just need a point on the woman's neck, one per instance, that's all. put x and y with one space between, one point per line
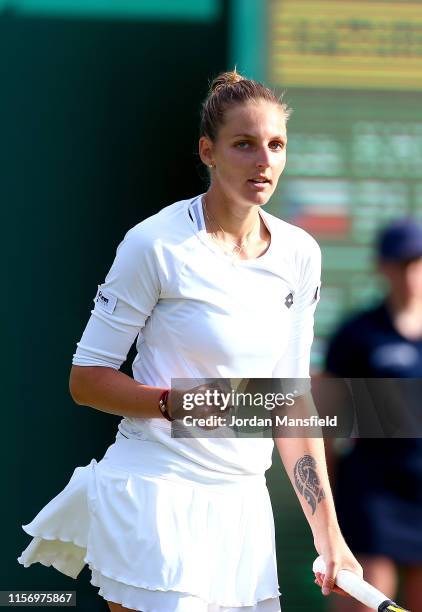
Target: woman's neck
406 313
236 221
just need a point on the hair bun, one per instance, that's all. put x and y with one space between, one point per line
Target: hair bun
230 89
225 79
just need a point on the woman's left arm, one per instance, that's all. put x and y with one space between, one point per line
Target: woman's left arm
304 461
304 458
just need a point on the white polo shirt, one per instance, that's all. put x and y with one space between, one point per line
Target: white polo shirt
197 312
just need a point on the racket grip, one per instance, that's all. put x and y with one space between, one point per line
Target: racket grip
354 585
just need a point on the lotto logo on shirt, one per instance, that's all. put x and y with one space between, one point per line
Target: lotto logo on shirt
289 300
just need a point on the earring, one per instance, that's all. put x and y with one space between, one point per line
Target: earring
211 165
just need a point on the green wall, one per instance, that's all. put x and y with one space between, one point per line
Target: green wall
98 130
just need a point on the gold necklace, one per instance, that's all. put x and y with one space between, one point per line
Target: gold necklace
236 249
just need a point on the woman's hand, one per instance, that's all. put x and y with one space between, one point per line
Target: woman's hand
337 555
201 402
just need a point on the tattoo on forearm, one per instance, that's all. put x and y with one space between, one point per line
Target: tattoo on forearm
307 481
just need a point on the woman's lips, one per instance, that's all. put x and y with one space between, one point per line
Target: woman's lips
258 185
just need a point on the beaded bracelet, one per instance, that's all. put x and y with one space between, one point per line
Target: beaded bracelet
162 404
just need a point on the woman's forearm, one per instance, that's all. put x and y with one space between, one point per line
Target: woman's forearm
112 391
304 461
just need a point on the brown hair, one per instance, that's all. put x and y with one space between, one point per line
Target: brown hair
227 90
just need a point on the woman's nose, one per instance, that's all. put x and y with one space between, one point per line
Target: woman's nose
263 158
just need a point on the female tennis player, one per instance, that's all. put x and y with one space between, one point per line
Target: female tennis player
211 287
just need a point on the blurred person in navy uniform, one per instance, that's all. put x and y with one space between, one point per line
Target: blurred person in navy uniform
378 482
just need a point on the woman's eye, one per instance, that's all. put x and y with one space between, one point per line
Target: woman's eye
276 145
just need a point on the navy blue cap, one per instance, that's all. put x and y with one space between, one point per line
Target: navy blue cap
400 241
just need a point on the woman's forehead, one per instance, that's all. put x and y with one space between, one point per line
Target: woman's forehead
254 117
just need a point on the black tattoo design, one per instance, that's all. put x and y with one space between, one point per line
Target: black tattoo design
307 481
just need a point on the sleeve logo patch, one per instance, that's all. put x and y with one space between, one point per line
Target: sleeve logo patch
105 300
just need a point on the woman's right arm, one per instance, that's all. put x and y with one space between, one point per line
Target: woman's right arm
121 308
112 391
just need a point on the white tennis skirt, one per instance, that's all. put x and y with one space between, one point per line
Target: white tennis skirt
161 533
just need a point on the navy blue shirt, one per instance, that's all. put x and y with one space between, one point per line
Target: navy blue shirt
368 345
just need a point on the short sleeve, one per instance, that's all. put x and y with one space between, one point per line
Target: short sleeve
122 304
296 360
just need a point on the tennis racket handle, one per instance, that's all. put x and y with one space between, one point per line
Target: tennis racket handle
354 585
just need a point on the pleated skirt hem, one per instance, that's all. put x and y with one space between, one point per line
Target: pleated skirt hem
148 599
158 545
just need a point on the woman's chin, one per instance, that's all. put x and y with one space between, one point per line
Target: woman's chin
260 198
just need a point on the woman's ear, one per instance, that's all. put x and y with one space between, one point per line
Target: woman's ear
205 150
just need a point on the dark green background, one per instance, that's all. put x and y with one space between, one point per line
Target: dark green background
98 130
